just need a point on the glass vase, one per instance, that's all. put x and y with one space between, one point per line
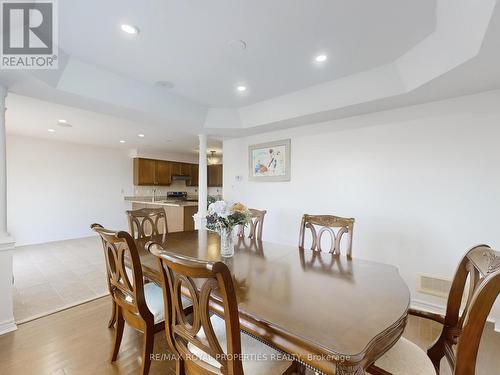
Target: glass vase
226 242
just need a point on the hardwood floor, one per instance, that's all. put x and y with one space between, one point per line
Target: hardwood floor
77 342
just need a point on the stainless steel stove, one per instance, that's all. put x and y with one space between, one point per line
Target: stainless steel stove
176 195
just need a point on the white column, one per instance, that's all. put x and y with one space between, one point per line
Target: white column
3 166
7 323
202 182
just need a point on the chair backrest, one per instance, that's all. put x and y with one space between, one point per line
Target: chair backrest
255 226
327 223
204 281
147 222
464 326
124 273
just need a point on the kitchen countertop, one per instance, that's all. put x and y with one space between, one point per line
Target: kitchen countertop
161 202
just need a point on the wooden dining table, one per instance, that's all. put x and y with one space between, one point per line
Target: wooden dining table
335 314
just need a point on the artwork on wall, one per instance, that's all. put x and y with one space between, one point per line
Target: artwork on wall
269 161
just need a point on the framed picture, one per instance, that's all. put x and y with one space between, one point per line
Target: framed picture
269 161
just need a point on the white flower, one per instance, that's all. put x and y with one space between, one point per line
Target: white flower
220 208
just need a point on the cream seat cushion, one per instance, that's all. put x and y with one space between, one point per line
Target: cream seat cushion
153 294
406 358
258 358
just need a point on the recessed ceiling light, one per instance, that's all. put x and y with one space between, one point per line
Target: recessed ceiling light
241 88
64 124
140 135
321 58
238 44
165 84
130 29
50 130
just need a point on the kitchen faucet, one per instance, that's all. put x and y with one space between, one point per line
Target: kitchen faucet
154 195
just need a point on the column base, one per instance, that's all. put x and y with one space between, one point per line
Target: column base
7 242
200 222
7 323
8 327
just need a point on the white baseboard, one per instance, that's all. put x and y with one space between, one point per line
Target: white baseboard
428 306
79 237
7 327
62 308
441 309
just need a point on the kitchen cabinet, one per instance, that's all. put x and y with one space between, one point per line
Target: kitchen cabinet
194 175
185 169
163 172
189 211
179 218
152 172
214 175
144 171
176 168
180 169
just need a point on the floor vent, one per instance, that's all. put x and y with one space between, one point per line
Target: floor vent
434 285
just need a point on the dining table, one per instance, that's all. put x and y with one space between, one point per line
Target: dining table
331 313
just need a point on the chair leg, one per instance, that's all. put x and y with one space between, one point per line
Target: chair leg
120 323
149 339
112 319
301 369
179 367
436 352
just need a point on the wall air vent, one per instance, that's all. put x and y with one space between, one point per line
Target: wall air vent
434 285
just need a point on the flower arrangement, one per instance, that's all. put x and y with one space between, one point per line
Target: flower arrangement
225 216
222 218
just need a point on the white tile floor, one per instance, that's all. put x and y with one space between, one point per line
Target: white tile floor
53 276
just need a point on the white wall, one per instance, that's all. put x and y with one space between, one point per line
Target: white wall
57 189
422 182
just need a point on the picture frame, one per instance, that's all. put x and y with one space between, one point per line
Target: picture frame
269 162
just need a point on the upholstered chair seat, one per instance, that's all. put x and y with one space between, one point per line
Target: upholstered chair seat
258 358
153 294
406 358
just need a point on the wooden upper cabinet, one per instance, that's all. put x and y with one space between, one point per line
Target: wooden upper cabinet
176 168
194 175
150 172
144 171
185 169
180 169
163 172
215 175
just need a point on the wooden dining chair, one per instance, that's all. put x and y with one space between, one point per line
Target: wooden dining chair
255 226
147 222
210 344
463 323
327 223
138 304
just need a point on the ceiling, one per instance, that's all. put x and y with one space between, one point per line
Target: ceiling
189 42
89 127
381 55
